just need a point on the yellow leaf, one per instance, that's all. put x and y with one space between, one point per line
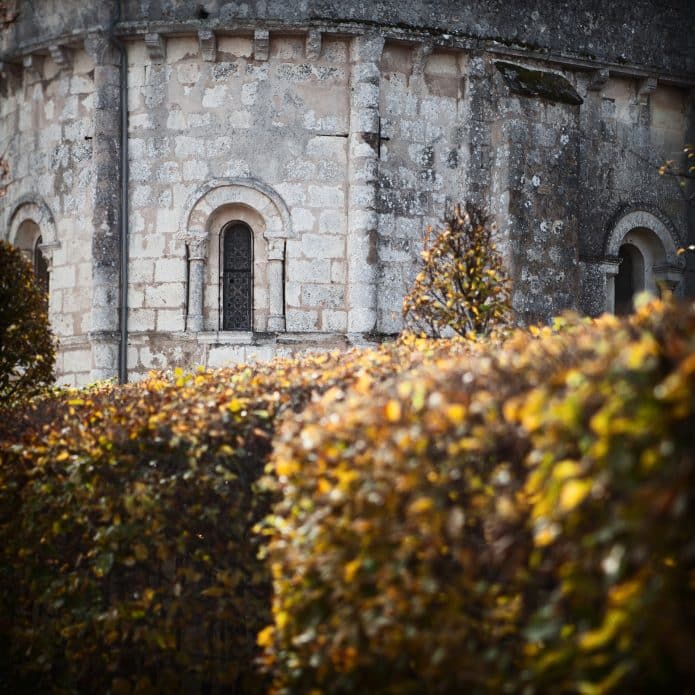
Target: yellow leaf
62 456
594 639
565 469
265 636
456 413
393 411
573 493
350 569
286 467
421 505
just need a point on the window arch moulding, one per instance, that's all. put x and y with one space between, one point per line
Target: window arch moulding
656 240
208 210
32 209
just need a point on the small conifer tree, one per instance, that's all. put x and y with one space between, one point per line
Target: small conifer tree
27 351
463 284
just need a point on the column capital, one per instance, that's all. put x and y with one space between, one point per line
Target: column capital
276 249
197 248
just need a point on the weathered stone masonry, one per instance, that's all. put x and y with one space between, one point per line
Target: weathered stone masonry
335 132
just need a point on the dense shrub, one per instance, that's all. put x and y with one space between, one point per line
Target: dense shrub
127 560
512 520
463 285
27 352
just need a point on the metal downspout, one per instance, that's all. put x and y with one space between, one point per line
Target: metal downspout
124 231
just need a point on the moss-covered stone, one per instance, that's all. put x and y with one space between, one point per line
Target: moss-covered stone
537 83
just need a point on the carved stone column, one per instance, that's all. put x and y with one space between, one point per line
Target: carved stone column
276 262
197 255
106 215
362 251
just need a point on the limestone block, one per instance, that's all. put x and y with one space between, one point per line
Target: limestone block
170 320
141 319
224 355
315 295
63 277
170 270
104 355
77 360
164 295
169 172
260 353
136 296
199 120
140 171
332 222
195 170
142 196
301 321
361 319
326 196
293 293
188 73
292 193
176 120
326 147
214 97
309 271
338 271
249 92
141 270
302 220
150 359
323 246
299 170
334 321
186 146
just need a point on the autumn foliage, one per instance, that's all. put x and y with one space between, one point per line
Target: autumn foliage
436 516
27 351
509 520
463 285
127 558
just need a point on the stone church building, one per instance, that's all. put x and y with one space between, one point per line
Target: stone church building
206 181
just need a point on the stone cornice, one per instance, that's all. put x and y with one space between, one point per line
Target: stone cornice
138 30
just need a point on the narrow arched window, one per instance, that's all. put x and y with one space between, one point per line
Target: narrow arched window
237 277
630 278
41 267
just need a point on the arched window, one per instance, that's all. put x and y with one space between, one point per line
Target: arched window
41 267
630 279
236 262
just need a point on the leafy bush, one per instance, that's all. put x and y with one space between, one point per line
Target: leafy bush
512 520
463 285
127 560
27 352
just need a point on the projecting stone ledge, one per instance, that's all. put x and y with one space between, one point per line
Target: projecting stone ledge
536 83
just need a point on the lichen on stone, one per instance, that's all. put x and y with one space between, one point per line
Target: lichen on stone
537 83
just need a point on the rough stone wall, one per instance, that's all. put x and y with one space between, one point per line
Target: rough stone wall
424 116
656 33
281 118
363 122
535 172
46 132
625 136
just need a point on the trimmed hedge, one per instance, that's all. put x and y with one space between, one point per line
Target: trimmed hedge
512 520
127 560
